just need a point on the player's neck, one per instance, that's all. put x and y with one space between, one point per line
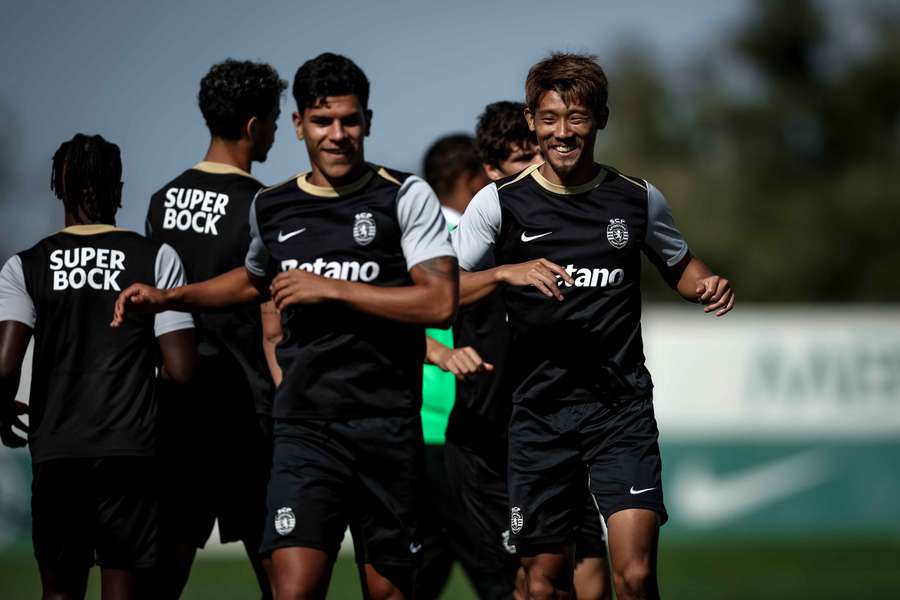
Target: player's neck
228 152
80 219
319 178
582 173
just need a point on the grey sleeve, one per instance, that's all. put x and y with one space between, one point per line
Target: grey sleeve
15 302
474 237
424 232
170 274
257 254
663 239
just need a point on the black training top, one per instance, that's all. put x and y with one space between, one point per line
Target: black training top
91 385
339 362
587 347
203 213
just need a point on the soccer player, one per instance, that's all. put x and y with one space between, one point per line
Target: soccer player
92 413
507 146
219 438
566 238
359 262
452 168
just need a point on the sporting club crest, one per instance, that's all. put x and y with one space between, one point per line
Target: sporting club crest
285 521
516 520
364 228
617 233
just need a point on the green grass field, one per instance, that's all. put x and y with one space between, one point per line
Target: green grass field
695 570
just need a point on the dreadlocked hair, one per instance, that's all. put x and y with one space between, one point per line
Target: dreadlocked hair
87 175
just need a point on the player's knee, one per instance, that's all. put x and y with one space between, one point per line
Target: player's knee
538 586
634 579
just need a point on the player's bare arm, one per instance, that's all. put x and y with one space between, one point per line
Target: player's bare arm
696 283
14 337
272 336
462 362
235 287
540 273
430 301
179 355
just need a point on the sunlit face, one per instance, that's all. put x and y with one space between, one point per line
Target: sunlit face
263 135
521 156
565 133
334 130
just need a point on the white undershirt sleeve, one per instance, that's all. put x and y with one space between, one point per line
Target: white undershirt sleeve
257 259
474 237
424 232
663 239
15 302
170 274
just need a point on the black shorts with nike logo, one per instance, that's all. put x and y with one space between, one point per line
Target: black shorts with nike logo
365 473
549 450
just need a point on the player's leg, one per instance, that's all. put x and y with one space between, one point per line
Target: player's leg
477 482
387 502
626 480
127 523
592 579
545 475
633 541
262 567
301 573
437 527
306 512
62 527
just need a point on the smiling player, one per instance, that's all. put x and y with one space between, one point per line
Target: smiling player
567 237
358 259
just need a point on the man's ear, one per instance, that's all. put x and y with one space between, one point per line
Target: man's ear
250 128
529 118
297 119
368 114
493 172
603 118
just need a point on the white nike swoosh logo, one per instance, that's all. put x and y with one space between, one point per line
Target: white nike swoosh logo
528 238
414 548
704 498
286 236
635 492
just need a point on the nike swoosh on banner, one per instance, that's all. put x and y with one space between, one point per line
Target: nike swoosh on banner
286 236
528 238
635 492
703 498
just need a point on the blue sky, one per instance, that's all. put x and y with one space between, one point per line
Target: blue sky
129 70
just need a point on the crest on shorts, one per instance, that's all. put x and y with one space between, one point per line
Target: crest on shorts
285 521
364 228
516 520
504 539
617 233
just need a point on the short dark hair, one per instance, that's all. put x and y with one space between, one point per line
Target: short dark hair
326 75
501 127
572 76
86 174
449 158
233 91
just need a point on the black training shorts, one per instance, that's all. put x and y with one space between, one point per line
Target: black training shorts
103 510
549 450
365 473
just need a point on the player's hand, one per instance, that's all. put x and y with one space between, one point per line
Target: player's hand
9 437
716 293
540 273
462 362
300 287
138 297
